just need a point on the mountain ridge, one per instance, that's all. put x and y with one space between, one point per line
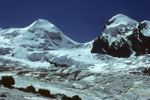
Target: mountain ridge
122 37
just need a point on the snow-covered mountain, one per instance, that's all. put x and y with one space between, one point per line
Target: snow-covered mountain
123 37
42 56
41 35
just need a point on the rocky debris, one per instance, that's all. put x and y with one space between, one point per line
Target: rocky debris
3 68
3 95
22 72
147 71
7 81
42 92
103 85
4 51
56 64
141 71
14 94
23 89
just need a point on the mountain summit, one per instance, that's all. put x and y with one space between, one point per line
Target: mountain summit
40 35
123 37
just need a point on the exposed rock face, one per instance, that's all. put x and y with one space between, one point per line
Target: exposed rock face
123 37
141 38
7 81
44 92
76 97
101 46
31 89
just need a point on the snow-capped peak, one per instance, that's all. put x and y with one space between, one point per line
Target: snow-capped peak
121 19
121 16
42 23
40 35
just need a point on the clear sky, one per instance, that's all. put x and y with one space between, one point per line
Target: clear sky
81 20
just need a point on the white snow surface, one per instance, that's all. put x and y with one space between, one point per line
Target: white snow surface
146 30
121 19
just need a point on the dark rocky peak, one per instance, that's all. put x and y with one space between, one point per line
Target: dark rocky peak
123 37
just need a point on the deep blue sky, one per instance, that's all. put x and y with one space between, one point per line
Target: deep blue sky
81 20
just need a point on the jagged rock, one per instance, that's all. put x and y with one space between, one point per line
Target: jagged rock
147 71
56 64
64 97
76 97
7 81
101 46
31 89
46 93
23 89
22 72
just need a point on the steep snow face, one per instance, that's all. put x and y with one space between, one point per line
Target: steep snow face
39 35
123 37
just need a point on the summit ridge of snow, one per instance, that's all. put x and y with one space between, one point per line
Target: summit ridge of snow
120 19
42 23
